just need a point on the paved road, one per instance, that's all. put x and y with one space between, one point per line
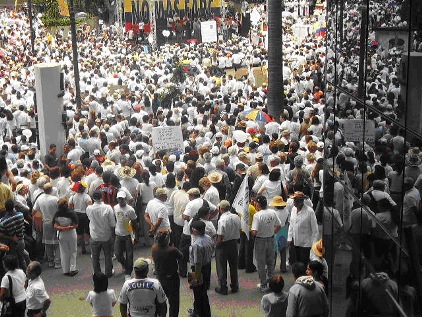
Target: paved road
66 291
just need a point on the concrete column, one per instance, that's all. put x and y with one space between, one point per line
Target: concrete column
49 106
410 76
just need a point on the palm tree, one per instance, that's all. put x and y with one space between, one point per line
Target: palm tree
275 59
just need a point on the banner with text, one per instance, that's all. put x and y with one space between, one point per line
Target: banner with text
209 31
168 138
354 130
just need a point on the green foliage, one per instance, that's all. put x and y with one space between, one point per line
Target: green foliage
179 75
168 95
51 8
48 22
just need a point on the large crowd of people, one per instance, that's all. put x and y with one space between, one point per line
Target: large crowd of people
109 188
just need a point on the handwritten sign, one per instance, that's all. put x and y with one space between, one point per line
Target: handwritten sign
355 129
209 31
167 138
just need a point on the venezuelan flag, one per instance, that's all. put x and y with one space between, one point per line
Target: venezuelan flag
320 29
127 6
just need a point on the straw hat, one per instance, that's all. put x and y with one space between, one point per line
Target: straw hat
126 172
318 248
278 201
413 160
215 177
285 132
107 163
19 187
193 191
161 191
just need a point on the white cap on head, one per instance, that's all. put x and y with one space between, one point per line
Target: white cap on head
121 194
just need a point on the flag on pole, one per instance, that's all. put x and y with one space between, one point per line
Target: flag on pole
63 7
280 239
241 205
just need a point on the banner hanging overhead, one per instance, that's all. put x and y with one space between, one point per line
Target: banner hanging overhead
138 10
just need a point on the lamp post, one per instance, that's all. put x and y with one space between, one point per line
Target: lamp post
75 55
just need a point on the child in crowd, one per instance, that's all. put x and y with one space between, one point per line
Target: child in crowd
275 303
101 298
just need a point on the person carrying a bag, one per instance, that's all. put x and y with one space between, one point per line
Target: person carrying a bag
12 291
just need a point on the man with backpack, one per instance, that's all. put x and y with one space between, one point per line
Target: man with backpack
387 213
108 191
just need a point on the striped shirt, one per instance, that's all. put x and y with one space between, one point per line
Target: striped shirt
13 224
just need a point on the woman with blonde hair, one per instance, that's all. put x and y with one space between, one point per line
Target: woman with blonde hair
33 186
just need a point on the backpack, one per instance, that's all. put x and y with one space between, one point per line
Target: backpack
109 194
300 178
378 206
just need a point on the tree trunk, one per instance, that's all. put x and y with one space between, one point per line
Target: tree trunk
275 59
111 9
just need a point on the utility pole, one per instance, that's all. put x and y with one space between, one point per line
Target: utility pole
75 60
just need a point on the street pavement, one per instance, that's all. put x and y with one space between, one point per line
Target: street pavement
66 292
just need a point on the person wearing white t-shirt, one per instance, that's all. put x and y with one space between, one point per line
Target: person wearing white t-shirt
101 298
264 224
123 244
37 299
156 213
18 278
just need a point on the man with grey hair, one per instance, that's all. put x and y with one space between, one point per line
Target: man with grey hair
208 165
220 168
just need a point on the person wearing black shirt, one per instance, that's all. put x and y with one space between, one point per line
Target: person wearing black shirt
50 158
166 264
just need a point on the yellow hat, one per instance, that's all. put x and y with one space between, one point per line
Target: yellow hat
318 248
